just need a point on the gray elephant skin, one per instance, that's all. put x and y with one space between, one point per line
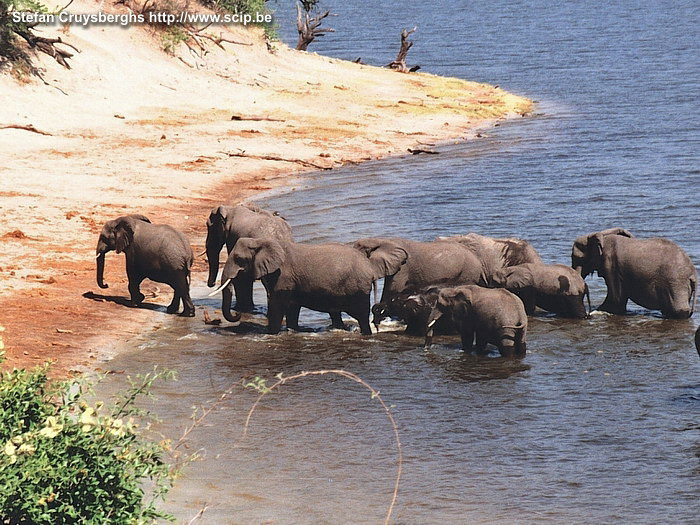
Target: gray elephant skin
555 288
496 254
448 261
227 224
153 251
654 273
329 278
414 308
467 259
493 315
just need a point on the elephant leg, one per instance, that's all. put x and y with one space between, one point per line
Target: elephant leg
529 302
183 291
174 304
276 309
360 312
508 350
675 303
337 321
467 339
243 285
292 316
520 344
135 280
615 301
481 343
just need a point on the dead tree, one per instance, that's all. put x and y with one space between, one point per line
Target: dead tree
308 26
399 63
10 29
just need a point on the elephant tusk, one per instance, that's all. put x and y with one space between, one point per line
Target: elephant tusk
98 255
432 323
202 254
224 285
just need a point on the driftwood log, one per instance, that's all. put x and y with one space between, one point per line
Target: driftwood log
25 127
276 158
309 26
399 63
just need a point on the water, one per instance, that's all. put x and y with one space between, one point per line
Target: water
600 422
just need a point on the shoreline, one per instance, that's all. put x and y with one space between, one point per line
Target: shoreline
165 155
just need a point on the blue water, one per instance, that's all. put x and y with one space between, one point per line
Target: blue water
600 423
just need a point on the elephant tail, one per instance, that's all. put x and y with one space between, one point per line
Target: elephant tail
520 327
693 289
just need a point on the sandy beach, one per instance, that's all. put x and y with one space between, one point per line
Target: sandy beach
132 129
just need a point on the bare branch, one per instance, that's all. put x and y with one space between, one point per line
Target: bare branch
27 127
399 63
308 26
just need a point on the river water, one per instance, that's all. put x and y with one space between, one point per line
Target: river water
600 423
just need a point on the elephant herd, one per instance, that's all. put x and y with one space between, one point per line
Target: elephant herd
479 287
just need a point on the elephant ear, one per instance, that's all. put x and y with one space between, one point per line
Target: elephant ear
518 278
268 258
140 217
388 259
449 296
368 245
500 278
616 231
596 244
386 256
124 235
217 217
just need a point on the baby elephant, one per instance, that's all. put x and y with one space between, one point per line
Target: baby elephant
553 287
414 308
494 315
155 251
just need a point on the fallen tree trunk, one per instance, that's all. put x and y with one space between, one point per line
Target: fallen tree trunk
277 158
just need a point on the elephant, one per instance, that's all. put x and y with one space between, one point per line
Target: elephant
494 315
654 273
697 340
227 224
331 278
429 263
414 308
496 254
155 251
553 287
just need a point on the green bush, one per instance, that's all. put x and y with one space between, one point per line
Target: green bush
64 461
10 30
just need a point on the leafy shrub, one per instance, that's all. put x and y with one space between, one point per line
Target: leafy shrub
11 30
63 461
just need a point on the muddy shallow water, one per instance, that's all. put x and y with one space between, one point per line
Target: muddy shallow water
600 423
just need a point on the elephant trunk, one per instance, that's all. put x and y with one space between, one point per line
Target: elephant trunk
226 299
213 259
101 270
588 298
